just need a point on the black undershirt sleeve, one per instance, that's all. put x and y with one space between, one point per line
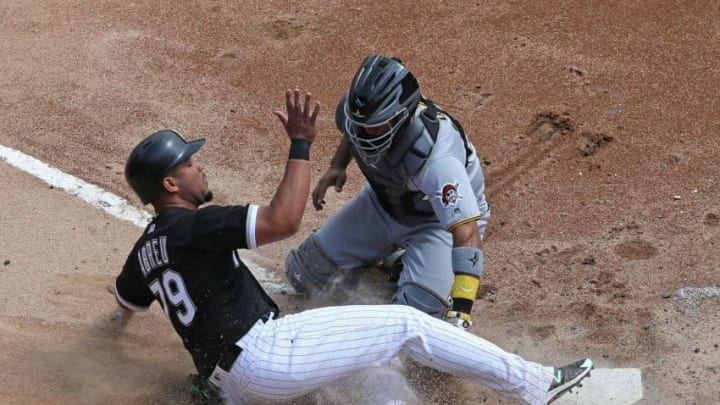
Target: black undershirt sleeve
131 289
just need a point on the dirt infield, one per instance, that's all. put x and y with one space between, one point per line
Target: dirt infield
597 122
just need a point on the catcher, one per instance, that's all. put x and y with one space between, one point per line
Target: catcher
186 260
425 193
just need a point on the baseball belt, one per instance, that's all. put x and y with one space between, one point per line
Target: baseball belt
228 357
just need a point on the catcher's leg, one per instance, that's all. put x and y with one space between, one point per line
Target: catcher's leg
427 276
355 237
309 269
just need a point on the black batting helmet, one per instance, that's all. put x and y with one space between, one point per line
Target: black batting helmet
153 158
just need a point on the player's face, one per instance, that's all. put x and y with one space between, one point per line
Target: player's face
372 132
192 181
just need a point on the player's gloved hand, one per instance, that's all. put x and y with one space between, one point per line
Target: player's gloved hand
459 319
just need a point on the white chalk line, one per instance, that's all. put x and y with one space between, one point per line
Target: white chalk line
110 203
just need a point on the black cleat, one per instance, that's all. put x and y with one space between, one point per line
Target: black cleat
567 377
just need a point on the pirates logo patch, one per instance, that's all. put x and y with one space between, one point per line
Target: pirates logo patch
449 195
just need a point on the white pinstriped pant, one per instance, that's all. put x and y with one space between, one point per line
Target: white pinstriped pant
291 356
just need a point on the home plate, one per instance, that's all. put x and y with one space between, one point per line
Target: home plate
606 386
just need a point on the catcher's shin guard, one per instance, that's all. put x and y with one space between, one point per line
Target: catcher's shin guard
308 268
420 297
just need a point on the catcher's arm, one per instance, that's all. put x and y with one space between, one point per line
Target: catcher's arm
467 262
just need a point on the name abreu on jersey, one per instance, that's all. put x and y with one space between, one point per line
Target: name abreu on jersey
153 254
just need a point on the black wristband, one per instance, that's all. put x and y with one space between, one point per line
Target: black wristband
299 149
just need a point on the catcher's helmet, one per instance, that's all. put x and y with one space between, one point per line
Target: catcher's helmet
153 158
383 93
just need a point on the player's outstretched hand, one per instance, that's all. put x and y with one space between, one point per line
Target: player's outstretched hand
334 176
299 120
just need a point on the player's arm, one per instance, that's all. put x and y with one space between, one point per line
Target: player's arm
282 217
335 174
131 295
453 199
131 292
466 234
121 316
467 265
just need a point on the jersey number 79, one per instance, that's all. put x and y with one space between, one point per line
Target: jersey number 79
170 286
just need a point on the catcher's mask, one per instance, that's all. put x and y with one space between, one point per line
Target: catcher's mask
153 158
383 95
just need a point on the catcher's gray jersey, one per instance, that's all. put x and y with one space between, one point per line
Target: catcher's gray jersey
431 173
